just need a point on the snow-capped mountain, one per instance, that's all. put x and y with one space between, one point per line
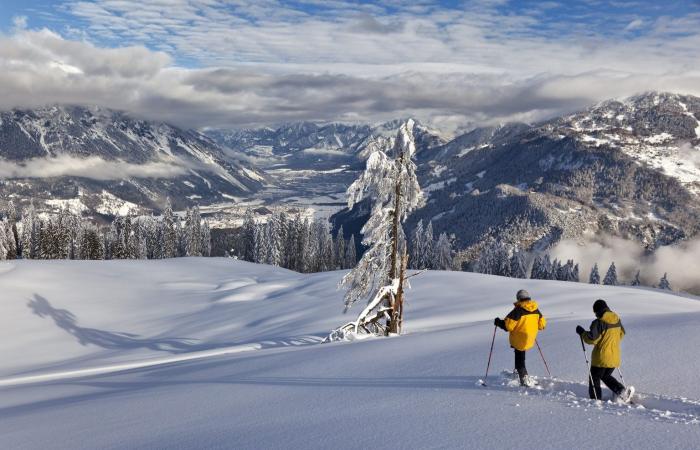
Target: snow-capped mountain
628 168
625 167
106 162
307 145
313 164
659 129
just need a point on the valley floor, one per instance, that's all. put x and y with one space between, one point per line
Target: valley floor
216 353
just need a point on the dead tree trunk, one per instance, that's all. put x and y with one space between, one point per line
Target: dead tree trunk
392 323
398 311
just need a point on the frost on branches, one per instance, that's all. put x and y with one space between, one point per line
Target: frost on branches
390 182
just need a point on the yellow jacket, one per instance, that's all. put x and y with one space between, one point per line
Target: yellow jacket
523 323
605 334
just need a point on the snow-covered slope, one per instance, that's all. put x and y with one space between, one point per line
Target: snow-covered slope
661 130
215 353
82 154
627 168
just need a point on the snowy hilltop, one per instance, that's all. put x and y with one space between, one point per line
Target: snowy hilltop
217 353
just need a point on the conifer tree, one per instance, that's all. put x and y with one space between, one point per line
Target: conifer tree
575 274
428 247
30 233
611 276
350 253
417 247
536 270
547 272
248 252
340 249
443 253
3 241
664 284
390 181
517 265
10 242
169 232
636 281
205 239
594 278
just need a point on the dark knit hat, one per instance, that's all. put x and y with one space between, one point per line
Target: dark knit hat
522 295
599 307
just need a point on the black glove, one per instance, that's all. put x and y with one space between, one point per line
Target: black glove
500 323
580 330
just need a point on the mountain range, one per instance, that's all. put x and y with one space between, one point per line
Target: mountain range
628 168
104 162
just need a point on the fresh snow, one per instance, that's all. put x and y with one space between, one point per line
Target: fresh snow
74 205
112 205
218 353
439 185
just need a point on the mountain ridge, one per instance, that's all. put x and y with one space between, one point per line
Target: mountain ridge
73 152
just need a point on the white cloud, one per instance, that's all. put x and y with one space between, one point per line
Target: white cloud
19 22
92 167
634 25
263 62
680 260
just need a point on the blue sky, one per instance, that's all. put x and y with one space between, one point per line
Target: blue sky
253 62
618 19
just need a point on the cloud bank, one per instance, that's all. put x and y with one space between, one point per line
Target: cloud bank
680 261
91 167
215 63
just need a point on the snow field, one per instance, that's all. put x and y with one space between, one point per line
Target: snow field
215 353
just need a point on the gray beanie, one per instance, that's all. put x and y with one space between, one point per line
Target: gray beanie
522 295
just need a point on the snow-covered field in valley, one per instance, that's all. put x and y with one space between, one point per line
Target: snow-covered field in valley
216 353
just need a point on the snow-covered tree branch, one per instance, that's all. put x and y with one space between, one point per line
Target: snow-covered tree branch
391 184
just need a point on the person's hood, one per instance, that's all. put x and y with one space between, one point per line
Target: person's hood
610 317
528 305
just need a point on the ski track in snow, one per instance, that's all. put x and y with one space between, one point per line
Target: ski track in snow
678 410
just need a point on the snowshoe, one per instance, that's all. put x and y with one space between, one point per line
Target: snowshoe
528 381
626 395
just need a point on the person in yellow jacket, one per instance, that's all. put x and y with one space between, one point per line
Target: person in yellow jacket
605 335
523 324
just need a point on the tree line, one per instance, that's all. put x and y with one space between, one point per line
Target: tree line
67 235
294 242
426 252
500 259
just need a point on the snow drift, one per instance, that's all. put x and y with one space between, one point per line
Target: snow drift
202 353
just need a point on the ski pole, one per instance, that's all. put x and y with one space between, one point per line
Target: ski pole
543 360
488 364
590 375
621 377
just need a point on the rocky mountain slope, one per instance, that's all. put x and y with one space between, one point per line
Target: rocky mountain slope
104 162
312 165
626 168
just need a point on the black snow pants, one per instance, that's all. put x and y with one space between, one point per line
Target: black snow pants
520 363
604 374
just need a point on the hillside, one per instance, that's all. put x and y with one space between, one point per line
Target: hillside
102 162
624 168
196 353
627 168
